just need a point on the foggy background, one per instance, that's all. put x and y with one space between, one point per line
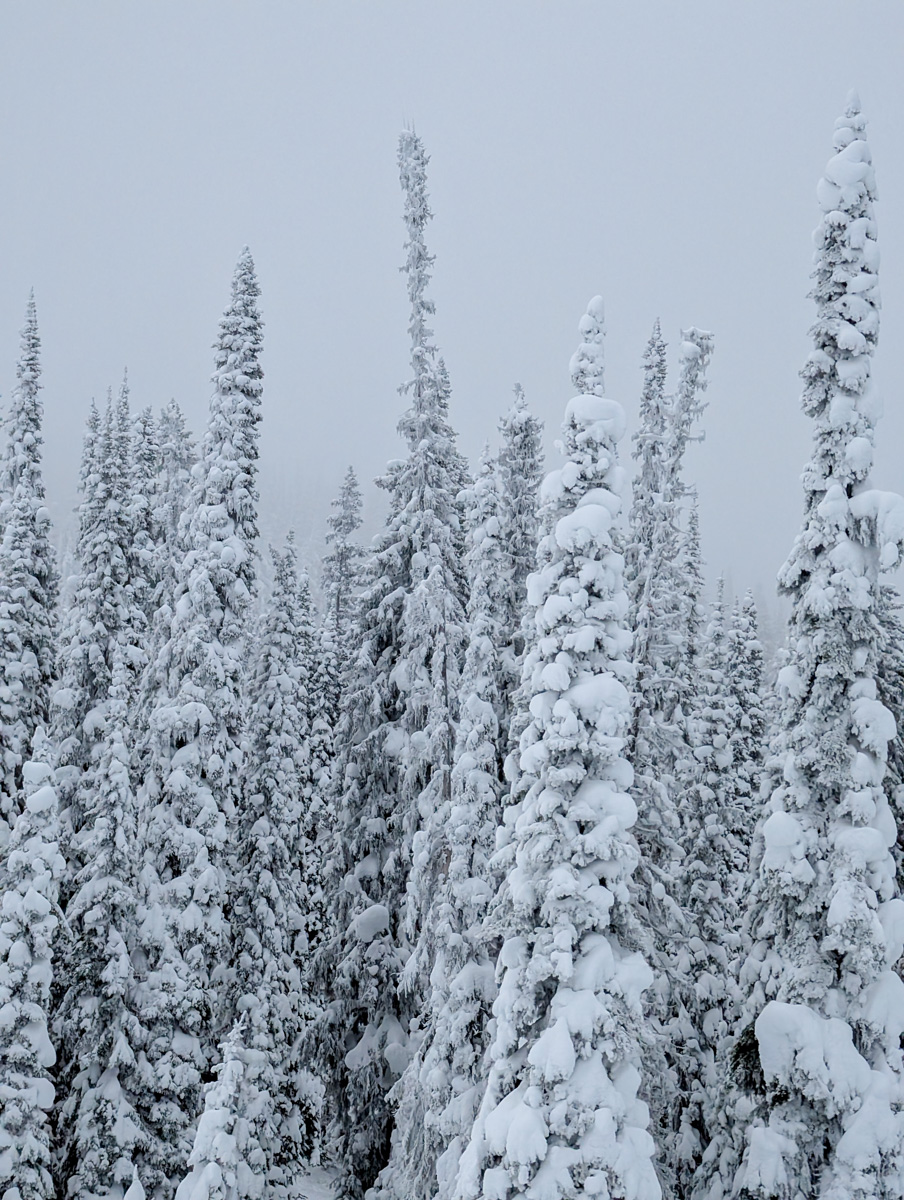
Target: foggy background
664 155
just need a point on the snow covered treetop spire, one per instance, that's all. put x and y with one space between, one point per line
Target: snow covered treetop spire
588 361
22 455
228 467
413 159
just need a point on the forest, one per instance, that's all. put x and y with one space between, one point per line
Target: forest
486 861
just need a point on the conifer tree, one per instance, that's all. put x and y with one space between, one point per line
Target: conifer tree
28 578
29 884
814 1096
561 1114
396 738
102 1127
520 471
274 875
438 1095
106 617
342 566
195 751
146 470
665 584
225 1162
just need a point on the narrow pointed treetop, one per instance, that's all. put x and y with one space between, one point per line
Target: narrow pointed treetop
588 361
22 453
818 1062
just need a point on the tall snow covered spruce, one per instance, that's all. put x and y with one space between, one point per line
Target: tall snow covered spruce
29 884
28 578
395 742
815 1101
438 1094
561 1114
274 879
195 753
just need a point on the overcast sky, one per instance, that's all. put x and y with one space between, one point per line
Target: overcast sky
662 154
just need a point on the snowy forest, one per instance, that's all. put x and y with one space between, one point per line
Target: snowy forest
486 861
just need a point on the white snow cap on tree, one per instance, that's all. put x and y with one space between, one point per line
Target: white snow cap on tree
588 361
561 1115
819 1061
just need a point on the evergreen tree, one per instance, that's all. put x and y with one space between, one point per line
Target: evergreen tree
146 469
587 364
342 566
520 471
665 584
438 1095
195 751
225 1162
272 907
561 1114
28 578
814 1098
29 879
395 744
102 1127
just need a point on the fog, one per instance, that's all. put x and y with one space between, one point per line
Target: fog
663 155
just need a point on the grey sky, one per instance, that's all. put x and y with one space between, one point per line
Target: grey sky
665 155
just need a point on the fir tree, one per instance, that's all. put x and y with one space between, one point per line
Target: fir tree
438 1095
273 873
102 1127
342 566
520 471
30 873
395 744
225 1162
195 751
28 578
814 1098
561 1114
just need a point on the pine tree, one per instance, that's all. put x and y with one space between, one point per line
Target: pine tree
342 566
225 1162
520 471
102 1127
561 1114
146 470
814 1096
195 754
272 907
395 744
28 578
30 873
438 1095
587 364
106 617
665 582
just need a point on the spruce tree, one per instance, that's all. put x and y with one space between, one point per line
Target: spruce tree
274 875
225 1162
438 1095
195 751
28 578
29 883
561 1114
814 1096
102 1126
520 471
396 736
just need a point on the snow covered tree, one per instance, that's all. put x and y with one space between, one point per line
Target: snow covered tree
438 1095
520 471
664 584
225 1162
814 1101
561 1114
146 469
745 666
274 878
28 578
395 743
29 881
106 617
342 565
101 1128
195 752
588 362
